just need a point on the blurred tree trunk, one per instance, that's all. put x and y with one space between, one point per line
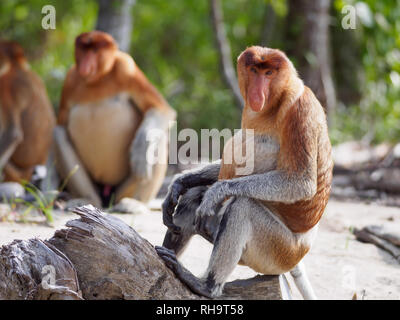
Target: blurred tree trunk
268 26
115 18
309 43
224 51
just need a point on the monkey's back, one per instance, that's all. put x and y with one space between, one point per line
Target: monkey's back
37 120
302 215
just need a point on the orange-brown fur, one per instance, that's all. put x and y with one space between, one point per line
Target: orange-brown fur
101 132
24 104
124 75
297 127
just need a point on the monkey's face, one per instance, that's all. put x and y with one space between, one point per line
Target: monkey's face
10 52
259 69
94 55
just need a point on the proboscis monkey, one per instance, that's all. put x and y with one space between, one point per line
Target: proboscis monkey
267 219
26 115
107 109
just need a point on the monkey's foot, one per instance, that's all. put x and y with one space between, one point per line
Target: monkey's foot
195 284
169 258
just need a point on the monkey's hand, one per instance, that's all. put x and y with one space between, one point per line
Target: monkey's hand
212 200
175 190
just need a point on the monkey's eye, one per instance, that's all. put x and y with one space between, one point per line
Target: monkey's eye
268 73
253 70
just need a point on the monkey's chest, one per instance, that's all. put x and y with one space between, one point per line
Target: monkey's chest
247 154
101 133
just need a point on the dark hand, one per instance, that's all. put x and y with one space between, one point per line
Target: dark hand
176 189
211 202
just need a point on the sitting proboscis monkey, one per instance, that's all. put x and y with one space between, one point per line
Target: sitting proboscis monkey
266 219
108 107
26 116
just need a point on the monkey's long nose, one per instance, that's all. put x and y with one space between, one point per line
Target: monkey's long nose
87 65
85 69
256 92
256 99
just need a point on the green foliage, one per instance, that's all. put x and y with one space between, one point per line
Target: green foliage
174 45
42 203
49 51
377 113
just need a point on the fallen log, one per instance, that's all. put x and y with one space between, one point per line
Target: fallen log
100 257
25 267
377 236
385 179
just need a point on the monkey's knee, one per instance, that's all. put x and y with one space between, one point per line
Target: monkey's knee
184 217
141 189
13 173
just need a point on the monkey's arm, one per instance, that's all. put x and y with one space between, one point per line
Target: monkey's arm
294 179
142 91
276 186
67 90
156 110
152 132
11 136
199 177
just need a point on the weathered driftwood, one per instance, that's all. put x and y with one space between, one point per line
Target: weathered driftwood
367 172
379 237
110 261
385 179
24 267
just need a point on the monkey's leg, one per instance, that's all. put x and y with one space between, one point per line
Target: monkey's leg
233 235
67 160
143 189
204 176
9 141
148 158
13 173
302 283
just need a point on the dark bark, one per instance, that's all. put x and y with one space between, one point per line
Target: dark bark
378 236
23 268
224 51
268 27
100 257
115 18
309 43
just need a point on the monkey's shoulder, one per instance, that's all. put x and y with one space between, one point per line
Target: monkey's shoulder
105 90
247 153
26 87
310 108
124 64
